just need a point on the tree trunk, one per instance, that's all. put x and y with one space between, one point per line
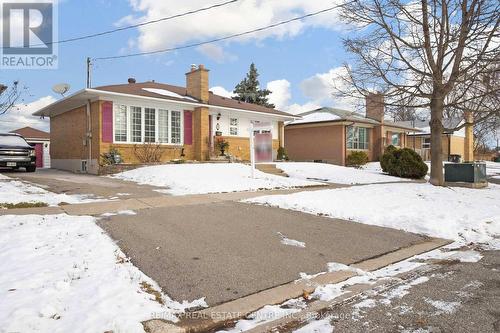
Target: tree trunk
437 177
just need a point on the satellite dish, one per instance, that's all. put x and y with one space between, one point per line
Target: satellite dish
61 88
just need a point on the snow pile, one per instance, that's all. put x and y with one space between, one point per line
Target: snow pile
493 169
460 214
334 173
183 179
291 242
266 314
317 326
443 307
15 191
62 273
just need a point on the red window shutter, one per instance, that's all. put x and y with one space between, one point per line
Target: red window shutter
107 122
188 127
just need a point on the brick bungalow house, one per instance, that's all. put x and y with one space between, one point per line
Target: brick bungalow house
183 121
329 134
453 142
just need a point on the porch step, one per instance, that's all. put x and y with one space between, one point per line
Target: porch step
271 169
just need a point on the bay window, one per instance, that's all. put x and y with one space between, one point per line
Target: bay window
138 124
357 138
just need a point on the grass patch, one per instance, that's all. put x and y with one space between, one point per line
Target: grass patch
146 287
4 205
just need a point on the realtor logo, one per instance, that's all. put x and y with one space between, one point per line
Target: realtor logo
28 33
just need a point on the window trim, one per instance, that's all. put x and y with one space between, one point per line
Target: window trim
143 106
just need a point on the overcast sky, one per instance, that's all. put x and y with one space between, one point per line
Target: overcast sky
297 61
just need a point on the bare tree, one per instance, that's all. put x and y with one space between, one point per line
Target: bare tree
9 96
426 54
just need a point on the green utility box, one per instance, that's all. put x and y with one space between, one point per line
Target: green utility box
465 172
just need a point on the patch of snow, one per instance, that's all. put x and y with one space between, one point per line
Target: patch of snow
402 290
168 93
60 270
460 214
15 191
443 307
316 117
120 212
365 304
334 173
3 177
184 179
123 194
466 256
316 326
291 242
336 267
266 314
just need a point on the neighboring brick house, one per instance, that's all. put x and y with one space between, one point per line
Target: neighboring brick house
329 135
184 121
41 141
453 142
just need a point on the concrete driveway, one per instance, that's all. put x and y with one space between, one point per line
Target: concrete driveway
226 250
214 246
70 183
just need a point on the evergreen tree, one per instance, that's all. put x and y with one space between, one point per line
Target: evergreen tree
248 90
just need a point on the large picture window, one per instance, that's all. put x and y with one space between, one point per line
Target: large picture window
120 120
139 124
357 138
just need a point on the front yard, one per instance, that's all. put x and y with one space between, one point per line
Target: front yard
58 270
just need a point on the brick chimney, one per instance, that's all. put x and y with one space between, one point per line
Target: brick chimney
197 83
375 107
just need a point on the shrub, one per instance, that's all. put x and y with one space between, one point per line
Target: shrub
387 157
148 152
357 158
282 155
404 163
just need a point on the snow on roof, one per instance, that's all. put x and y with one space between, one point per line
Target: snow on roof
168 93
317 117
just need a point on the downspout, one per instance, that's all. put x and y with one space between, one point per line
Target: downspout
449 146
89 135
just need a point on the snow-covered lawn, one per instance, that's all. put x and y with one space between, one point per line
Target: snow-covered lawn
461 214
493 169
61 273
14 191
183 179
337 174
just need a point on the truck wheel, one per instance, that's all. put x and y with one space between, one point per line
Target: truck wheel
31 168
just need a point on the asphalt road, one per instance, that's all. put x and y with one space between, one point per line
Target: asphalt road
226 250
457 297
